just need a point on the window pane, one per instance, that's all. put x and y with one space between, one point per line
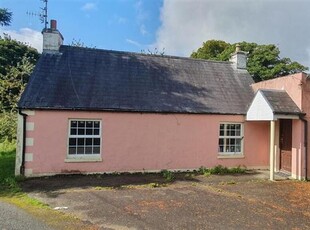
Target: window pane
73 131
89 141
96 131
89 124
228 132
221 149
221 132
89 132
81 124
96 150
81 141
72 141
81 132
80 150
96 124
72 150
88 150
73 123
96 141
221 141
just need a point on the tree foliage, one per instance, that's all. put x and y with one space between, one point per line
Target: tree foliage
17 61
264 61
5 17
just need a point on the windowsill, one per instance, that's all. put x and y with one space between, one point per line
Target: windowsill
83 159
227 156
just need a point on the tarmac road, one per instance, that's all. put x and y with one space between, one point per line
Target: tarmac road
13 218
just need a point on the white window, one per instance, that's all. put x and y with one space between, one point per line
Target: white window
231 138
84 138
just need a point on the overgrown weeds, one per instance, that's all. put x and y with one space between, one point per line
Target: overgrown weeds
168 175
8 181
220 170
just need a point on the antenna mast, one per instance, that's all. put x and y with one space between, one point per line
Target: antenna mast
42 15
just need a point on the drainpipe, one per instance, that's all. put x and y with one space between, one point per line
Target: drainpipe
22 167
305 144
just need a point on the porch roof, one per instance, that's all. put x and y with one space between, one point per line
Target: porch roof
270 105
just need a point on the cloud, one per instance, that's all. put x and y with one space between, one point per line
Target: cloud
185 25
28 36
135 43
89 6
141 17
143 30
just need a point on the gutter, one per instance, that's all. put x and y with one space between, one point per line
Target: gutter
305 144
22 166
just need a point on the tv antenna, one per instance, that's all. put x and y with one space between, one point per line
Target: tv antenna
43 15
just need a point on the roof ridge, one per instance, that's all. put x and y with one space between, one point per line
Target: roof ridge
142 54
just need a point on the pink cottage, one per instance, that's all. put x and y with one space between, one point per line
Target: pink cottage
98 111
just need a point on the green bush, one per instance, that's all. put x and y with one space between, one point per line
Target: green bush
168 175
220 170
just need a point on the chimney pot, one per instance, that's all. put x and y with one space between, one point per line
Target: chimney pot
53 24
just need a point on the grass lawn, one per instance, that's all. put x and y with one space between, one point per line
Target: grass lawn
11 192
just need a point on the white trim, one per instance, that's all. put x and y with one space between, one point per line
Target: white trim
29 126
272 150
28 157
19 144
84 157
227 156
241 137
29 112
260 109
28 172
29 141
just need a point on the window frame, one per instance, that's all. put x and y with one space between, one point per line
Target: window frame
84 156
225 137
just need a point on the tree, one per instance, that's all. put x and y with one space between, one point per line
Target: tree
264 61
16 64
211 50
17 61
5 17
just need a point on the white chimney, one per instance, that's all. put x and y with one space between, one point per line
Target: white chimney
52 38
239 58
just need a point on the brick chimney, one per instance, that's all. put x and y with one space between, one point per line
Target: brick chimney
52 38
239 58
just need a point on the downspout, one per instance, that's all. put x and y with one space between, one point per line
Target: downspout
22 166
305 144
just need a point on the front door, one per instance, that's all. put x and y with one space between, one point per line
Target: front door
286 145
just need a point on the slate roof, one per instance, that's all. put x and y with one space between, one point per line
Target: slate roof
280 102
92 79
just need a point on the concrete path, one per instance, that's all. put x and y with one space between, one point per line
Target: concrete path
13 218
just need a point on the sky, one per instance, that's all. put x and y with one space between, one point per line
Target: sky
177 27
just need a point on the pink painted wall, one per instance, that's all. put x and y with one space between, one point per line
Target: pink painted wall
136 142
290 83
298 88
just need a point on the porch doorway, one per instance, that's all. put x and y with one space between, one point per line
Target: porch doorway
286 145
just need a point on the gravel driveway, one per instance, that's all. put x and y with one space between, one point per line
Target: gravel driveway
215 202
